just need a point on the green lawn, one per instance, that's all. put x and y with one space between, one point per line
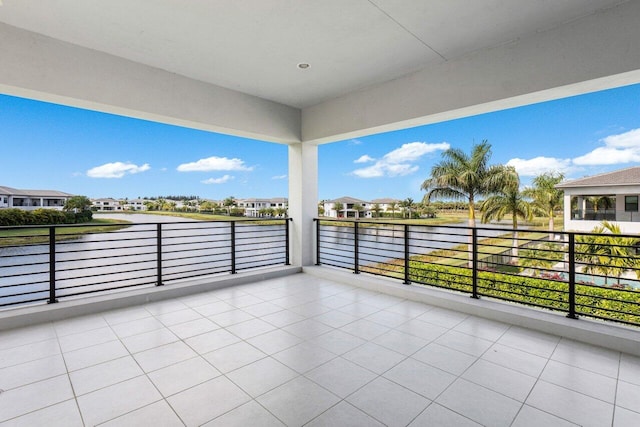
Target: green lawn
24 236
190 215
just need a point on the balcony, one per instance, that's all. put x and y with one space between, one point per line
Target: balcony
604 215
325 347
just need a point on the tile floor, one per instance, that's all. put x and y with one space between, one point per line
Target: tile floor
305 351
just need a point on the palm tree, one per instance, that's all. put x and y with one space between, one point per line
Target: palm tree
542 256
376 209
509 201
228 203
393 206
406 205
358 208
338 207
547 199
606 252
465 177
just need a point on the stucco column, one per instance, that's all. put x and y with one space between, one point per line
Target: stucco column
567 210
303 201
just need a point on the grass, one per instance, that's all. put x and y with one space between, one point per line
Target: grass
200 216
39 235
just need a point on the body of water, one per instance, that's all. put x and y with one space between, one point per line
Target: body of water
129 257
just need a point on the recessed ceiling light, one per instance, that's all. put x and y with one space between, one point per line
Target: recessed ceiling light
303 65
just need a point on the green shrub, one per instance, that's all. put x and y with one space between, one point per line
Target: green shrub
18 217
601 302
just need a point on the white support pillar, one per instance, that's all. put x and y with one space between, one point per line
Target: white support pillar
567 209
303 201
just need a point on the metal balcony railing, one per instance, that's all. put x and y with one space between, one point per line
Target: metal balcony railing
595 275
45 264
604 215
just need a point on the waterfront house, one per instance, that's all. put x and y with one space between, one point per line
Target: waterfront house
107 204
611 196
253 206
367 207
32 199
347 210
135 205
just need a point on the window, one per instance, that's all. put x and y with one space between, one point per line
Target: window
631 203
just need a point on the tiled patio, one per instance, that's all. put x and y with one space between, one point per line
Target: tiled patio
306 351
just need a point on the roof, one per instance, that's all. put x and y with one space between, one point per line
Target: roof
347 199
385 201
271 200
628 176
33 193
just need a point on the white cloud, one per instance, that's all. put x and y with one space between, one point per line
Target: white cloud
540 165
215 164
116 170
221 180
399 162
413 151
630 139
279 177
355 141
618 149
364 159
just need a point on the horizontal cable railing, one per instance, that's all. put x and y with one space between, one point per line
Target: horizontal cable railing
48 263
595 275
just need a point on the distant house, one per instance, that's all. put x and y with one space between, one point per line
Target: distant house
253 206
347 210
609 196
32 199
387 204
106 205
134 205
367 207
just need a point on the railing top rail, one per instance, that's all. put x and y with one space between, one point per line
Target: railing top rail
482 228
120 224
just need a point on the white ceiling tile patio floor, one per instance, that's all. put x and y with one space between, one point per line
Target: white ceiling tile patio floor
299 351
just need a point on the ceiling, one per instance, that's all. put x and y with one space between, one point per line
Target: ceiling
254 46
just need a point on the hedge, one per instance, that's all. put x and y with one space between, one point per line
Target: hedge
18 217
595 301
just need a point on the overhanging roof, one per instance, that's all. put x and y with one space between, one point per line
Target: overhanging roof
32 193
628 176
231 66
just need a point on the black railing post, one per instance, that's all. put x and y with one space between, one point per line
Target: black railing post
406 255
52 266
474 263
572 277
159 252
356 254
317 220
286 244
233 247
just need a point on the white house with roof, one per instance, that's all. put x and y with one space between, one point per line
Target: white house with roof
611 196
107 204
387 204
343 207
253 206
368 208
135 205
32 199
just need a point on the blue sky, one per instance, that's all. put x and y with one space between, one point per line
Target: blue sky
48 146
